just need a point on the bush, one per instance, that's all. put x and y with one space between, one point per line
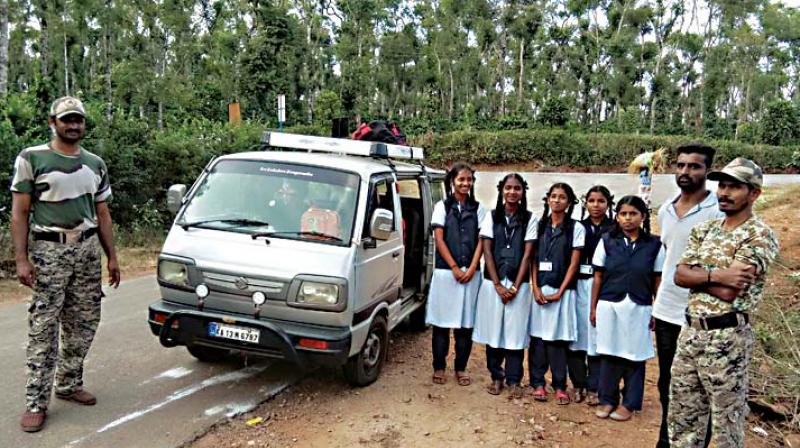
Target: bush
143 162
780 124
562 148
555 112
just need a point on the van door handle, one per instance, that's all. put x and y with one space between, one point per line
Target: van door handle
395 254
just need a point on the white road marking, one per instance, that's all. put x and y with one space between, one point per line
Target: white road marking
237 375
215 410
185 392
177 372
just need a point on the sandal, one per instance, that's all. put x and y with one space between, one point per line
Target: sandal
515 393
562 398
463 379
621 414
495 387
580 394
539 394
592 399
604 411
438 377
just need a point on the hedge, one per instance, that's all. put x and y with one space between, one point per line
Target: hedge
557 148
144 162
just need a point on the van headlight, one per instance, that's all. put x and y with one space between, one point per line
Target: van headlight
318 293
323 293
173 272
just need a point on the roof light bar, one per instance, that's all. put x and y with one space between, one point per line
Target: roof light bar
341 146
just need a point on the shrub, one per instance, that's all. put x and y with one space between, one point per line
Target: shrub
780 124
562 148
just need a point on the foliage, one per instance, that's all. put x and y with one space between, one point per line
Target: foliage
590 66
555 112
559 148
144 161
781 124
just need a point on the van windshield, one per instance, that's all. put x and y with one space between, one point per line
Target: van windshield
276 200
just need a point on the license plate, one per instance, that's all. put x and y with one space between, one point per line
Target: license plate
234 332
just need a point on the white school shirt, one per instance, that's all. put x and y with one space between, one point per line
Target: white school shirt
487 229
440 214
672 300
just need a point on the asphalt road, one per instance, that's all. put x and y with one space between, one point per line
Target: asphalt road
148 396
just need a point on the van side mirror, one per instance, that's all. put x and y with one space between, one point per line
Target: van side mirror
381 224
175 196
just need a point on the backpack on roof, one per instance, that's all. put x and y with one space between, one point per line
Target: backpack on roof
380 131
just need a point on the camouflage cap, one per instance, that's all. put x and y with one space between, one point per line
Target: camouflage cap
67 105
741 170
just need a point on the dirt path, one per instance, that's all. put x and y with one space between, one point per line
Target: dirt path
405 409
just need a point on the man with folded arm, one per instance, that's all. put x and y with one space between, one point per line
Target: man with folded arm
725 265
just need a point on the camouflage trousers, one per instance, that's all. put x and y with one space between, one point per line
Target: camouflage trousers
709 376
63 316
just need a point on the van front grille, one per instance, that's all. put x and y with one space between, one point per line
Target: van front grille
245 285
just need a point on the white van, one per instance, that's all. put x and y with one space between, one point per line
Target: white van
310 251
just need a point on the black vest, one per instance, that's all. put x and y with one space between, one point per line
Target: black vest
593 234
508 247
555 246
629 271
460 233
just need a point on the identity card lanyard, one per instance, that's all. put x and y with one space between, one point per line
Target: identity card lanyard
509 237
547 266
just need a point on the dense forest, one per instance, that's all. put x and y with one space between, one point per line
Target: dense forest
581 83
725 69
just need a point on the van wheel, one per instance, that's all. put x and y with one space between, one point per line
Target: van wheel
207 354
416 320
363 369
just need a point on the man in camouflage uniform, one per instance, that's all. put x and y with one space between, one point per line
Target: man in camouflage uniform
60 193
725 265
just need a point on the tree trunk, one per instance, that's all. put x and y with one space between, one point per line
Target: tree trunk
66 66
452 92
521 73
107 75
654 97
44 47
3 47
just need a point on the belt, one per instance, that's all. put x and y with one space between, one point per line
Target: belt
727 320
63 237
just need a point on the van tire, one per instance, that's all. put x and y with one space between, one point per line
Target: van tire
364 368
207 354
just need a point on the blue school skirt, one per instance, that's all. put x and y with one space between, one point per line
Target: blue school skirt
555 321
623 330
502 326
452 304
586 339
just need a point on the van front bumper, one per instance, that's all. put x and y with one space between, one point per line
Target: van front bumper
183 325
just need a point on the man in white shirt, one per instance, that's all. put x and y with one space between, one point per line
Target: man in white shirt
694 204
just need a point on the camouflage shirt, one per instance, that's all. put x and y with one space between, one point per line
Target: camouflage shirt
712 247
64 189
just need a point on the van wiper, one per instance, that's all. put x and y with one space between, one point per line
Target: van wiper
300 233
234 221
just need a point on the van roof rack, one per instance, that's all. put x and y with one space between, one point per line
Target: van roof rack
341 146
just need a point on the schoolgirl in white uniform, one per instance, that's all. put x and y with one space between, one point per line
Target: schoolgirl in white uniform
501 320
627 263
584 370
553 315
454 287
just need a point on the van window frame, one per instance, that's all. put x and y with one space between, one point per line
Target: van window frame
374 181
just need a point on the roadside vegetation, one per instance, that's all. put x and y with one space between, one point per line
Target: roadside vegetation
775 372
